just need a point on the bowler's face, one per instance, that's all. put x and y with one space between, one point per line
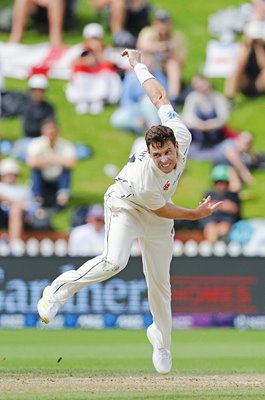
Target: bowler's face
165 157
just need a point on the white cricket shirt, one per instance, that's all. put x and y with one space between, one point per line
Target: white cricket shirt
141 182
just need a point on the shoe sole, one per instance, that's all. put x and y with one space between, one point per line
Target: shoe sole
45 320
164 373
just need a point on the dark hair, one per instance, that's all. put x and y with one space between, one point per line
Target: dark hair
159 134
49 120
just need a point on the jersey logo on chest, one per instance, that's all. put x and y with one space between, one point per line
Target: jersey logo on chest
166 186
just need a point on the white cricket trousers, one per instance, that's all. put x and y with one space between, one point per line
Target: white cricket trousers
123 226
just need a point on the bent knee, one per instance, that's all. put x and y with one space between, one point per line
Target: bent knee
110 266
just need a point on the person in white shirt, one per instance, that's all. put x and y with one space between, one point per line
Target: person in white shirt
139 206
15 199
51 159
88 239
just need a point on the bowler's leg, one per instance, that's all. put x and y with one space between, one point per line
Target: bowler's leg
157 255
120 233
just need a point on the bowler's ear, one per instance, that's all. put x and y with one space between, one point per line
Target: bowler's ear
177 146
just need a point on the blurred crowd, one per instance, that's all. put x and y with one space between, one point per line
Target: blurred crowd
97 81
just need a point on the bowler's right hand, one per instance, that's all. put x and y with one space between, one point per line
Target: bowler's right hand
134 56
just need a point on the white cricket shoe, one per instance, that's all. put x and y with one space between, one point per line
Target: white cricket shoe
161 356
47 306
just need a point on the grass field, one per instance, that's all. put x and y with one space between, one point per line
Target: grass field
116 364
111 146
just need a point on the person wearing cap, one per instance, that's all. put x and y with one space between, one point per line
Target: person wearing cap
51 159
218 225
88 239
93 35
94 81
34 111
168 46
15 199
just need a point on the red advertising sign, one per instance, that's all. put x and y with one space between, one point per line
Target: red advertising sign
213 294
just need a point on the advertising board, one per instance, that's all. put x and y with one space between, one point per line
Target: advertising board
212 291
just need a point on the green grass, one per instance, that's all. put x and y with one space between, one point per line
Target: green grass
109 352
118 354
111 146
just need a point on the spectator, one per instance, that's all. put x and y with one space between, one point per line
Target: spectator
51 159
11 102
93 35
88 239
249 74
24 9
17 208
94 80
136 112
168 46
205 112
14 199
35 110
218 225
126 18
238 153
